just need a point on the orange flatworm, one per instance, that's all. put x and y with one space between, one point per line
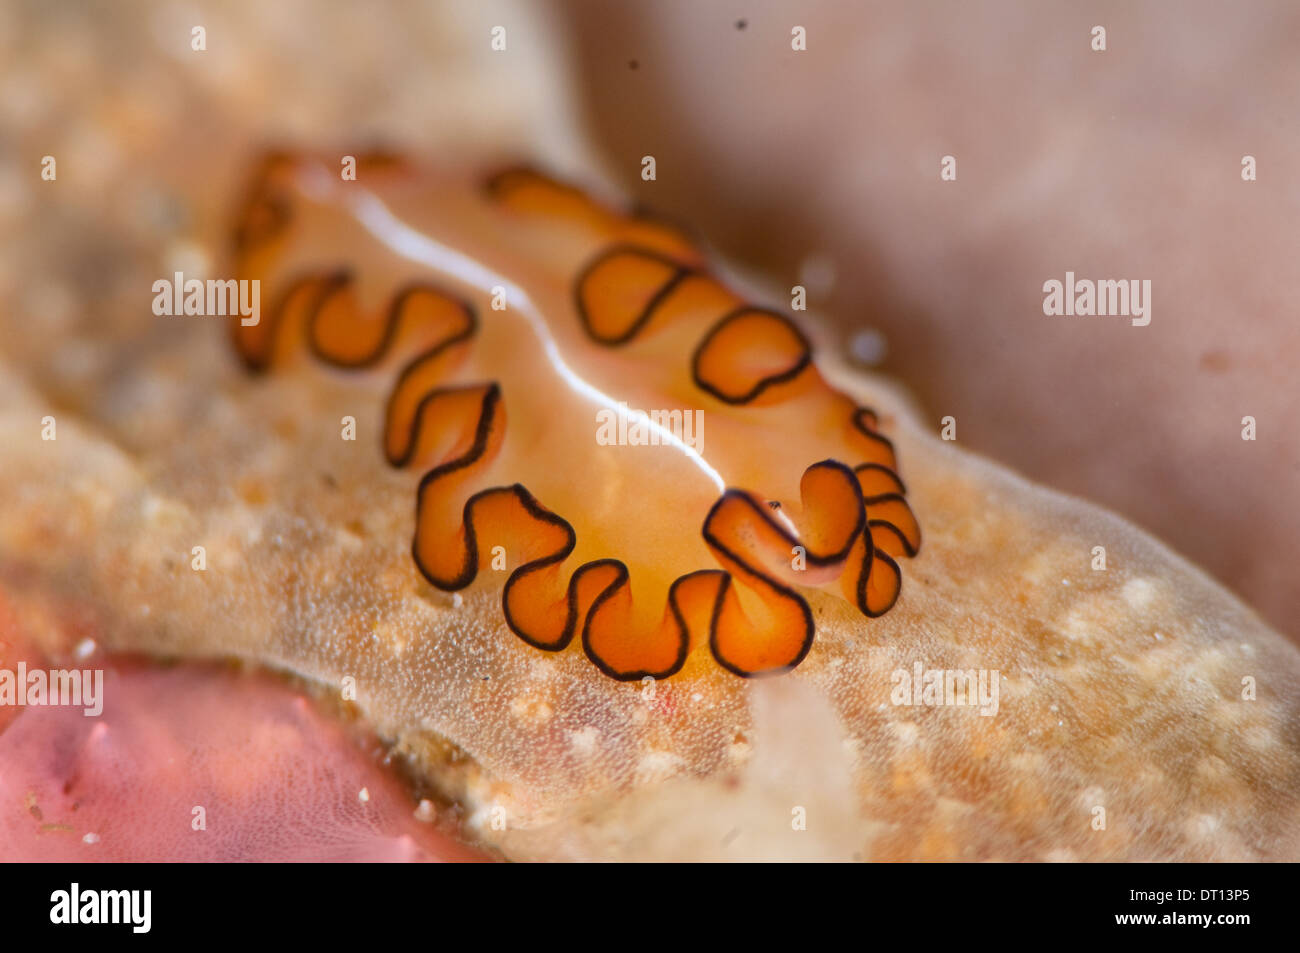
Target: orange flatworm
508 325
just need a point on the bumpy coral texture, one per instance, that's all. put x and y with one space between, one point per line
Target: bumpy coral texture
1143 690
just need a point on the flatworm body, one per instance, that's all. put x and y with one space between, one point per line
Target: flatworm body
597 445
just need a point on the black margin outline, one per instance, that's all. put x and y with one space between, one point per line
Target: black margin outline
790 373
679 274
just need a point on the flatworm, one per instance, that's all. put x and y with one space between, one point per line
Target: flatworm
503 321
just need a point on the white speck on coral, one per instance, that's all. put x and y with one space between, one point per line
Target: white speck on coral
656 766
85 648
584 740
907 733
1138 592
1091 797
1061 855
363 795
531 708
738 751
91 838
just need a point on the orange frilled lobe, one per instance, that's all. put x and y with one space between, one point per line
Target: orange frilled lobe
640 460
